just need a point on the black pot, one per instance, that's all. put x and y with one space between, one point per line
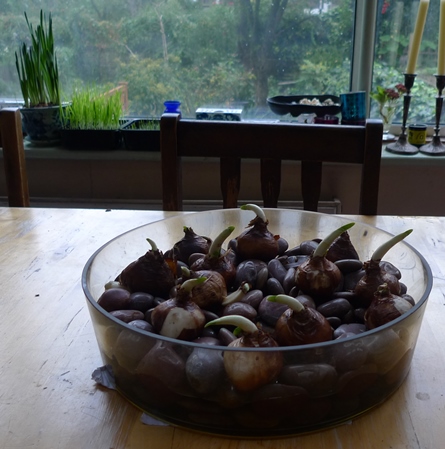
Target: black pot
91 139
137 138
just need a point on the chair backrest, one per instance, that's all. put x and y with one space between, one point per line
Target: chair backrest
14 157
271 143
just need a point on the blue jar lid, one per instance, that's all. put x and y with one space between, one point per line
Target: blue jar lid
172 105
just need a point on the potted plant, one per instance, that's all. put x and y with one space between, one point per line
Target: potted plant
39 82
92 120
142 134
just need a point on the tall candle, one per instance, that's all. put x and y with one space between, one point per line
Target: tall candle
441 51
417 36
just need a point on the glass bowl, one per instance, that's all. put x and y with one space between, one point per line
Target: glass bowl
320 385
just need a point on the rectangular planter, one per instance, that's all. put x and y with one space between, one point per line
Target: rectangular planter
91 139
137 138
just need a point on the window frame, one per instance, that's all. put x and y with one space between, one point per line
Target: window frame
365 30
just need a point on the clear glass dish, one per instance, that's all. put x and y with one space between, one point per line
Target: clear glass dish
338 380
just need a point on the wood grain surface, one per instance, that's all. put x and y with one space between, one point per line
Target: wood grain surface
48 349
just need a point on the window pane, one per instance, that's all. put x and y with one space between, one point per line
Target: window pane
201 52
395 24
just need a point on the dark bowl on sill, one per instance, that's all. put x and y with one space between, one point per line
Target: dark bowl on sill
137 137
91 139
290 104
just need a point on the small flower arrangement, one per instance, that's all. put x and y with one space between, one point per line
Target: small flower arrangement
388 99
388 95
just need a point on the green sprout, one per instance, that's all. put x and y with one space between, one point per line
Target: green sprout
37 66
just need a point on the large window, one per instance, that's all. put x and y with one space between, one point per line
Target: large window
395 25
222 52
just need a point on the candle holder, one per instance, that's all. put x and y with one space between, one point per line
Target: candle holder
402 146
436 147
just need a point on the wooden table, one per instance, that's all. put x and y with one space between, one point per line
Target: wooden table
48 350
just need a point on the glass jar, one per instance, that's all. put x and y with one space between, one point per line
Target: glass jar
172 106
417 134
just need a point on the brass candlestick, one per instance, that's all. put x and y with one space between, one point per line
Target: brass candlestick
436 147
402 146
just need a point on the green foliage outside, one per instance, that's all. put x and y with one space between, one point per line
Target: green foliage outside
226 53
188 50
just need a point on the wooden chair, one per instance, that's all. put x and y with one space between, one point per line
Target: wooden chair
271 143
14 157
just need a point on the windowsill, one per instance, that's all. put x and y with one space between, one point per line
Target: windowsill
36 152
99 178
60 153
422 159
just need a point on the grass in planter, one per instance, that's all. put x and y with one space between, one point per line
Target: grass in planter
91 109
146 125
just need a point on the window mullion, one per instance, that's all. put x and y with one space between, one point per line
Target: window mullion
364 46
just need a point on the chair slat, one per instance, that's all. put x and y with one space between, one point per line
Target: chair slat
171 166
311 176
230 172
14 158
270 181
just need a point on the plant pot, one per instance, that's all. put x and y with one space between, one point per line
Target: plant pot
42 125
91 139
137 138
